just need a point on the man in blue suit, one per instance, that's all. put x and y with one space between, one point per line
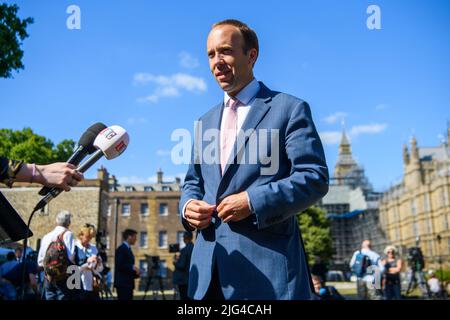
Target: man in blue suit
125 272
182 264
244 206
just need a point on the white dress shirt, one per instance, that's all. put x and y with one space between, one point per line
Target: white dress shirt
52 236
246 96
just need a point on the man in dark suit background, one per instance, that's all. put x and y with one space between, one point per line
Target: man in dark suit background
124 269
182 263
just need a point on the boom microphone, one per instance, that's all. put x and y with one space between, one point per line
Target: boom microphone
111 142
85 147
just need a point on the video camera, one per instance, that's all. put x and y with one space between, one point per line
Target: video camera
415 258
174 247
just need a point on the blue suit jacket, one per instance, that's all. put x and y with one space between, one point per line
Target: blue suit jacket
262 256
181 272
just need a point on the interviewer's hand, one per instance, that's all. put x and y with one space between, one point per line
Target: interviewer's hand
60 174
234 207
198 214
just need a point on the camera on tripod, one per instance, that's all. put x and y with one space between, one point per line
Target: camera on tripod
174 248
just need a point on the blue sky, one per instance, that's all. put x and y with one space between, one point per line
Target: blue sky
387 84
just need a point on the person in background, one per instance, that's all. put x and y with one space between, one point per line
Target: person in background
13 274
18 253
366 281
7 289
319 269
60 174
58 290
392 266
434 284
124 269
90 263
325 292
182 263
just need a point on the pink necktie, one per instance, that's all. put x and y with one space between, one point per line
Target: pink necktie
228 132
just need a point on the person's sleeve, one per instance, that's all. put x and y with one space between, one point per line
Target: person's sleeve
352 261
193 186
41 254
307 183
70 245
122 264
8 170
182 261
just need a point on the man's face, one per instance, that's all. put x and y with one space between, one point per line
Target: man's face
132 239
231 68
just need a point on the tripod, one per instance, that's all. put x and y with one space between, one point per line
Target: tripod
154 273
417 278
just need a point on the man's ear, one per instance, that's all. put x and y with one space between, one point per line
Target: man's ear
253 55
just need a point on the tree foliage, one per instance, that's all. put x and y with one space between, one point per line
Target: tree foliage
315 230
33 148
12 33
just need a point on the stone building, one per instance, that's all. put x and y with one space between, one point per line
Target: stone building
352 206
87 202
417 208
152 210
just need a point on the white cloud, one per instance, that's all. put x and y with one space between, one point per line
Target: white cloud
169 86
334 137
370 129
330 137
188 61
132 121
333 118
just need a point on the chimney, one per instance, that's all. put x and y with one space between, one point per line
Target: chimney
159 176
178 180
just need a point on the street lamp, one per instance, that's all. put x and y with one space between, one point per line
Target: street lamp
439 238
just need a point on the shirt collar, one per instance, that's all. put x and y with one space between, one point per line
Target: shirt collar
127 244
246 94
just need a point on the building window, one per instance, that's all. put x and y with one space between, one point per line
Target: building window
430 248
415 230
126 209
413 207
109 210
162 239
429 226
397 234
163 209
144 209
148 189
445 222
143 239
143 265
180 235
166 188
426 202
108 243
129 189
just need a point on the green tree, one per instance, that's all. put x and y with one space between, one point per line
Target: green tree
33 148
12 33
315 229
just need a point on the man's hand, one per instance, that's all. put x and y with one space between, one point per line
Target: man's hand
234 207
198 213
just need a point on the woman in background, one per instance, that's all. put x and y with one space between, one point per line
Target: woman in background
392 267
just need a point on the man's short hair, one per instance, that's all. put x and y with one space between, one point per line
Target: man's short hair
250 37
63 219
127 233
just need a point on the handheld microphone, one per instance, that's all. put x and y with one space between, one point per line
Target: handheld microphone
110 142
85 147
